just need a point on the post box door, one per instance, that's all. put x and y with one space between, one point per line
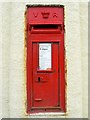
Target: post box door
45 75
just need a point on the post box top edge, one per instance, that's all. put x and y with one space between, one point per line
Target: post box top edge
41 15
42 5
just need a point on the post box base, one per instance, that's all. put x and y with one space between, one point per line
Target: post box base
45 110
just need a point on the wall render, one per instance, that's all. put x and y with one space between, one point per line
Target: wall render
13 60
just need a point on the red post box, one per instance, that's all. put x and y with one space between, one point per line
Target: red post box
45 59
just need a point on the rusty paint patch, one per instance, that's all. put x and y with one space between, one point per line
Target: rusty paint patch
25 57
66 78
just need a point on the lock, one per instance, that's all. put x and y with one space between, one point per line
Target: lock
41 78
45 58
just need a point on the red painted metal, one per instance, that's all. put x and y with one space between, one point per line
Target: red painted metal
45 88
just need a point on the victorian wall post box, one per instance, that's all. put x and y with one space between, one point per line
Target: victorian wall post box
45 59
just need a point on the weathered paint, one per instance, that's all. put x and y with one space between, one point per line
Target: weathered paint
54 35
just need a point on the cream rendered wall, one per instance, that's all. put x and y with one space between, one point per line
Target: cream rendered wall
0 62
13 74
5 46
84 52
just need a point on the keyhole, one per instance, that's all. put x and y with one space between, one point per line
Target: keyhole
38 79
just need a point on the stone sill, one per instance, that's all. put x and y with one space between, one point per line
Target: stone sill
47 115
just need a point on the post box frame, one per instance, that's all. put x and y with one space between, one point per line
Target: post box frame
58 37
